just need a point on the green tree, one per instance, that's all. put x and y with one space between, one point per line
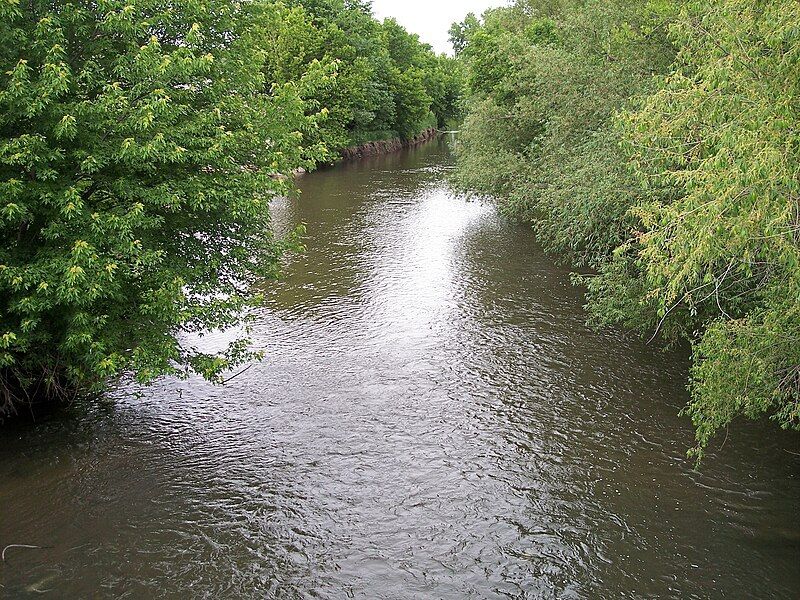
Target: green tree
139 148
461 33
656 142
546 79
445 83
387 82
716 256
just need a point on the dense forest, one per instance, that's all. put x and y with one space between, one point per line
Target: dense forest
140 143
655 145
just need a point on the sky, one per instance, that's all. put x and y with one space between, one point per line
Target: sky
431 18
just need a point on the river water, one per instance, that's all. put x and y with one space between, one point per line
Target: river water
432 420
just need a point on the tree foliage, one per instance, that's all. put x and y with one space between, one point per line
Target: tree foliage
717 252
546 80
138 144
657 142
388 84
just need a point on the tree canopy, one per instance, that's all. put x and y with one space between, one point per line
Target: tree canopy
388 84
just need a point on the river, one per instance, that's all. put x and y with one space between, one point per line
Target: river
432 419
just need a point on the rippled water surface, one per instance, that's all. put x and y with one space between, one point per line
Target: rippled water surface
432 420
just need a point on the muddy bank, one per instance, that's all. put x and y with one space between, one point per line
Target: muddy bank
387 146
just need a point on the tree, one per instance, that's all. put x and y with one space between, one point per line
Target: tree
461 33
140 145
387 82
546 80
655 141
716 257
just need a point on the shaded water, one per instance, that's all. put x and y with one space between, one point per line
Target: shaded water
432 420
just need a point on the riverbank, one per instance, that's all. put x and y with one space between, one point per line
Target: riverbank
377 148
387 146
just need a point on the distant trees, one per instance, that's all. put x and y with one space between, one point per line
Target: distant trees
140 145
387 84
656 142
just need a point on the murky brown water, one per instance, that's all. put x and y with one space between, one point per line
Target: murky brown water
433 420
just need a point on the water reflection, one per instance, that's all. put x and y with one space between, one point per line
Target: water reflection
433 419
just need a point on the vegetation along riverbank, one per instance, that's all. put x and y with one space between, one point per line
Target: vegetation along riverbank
656 144
653 144
140 144
385 146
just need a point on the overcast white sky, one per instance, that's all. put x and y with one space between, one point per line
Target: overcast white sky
431 18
